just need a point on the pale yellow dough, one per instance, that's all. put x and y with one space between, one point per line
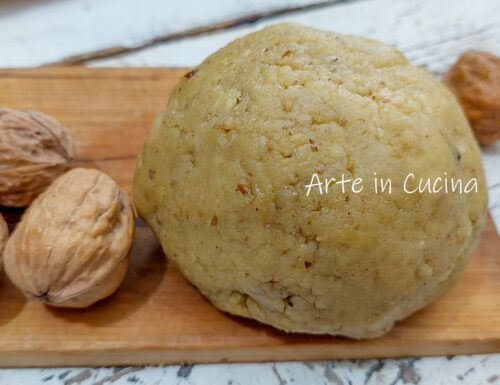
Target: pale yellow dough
221 180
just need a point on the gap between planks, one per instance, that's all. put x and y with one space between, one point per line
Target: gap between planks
247 19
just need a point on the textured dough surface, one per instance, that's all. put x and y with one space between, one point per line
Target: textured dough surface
221 180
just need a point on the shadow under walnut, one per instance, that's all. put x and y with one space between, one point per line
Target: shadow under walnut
146 271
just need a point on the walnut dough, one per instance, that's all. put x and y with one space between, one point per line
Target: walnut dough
34 150
71 246
222 181
475 80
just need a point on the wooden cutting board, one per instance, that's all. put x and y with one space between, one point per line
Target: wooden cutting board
156 317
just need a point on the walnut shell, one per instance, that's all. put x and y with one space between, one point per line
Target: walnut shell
4 235
34 150
475 80
71 247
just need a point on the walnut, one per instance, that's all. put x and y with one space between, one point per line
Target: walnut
34 150
4 234
475 80
71 247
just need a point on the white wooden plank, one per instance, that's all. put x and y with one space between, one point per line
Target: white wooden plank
478 369
39 32
431 33
491 160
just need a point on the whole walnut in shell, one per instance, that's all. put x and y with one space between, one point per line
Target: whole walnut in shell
475 80
71 247
4 234
34 150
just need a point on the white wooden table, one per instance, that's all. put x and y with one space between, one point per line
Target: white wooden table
432 34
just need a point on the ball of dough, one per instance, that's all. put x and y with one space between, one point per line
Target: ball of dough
222 181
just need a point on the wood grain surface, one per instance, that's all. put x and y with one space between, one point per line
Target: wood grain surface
156 317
